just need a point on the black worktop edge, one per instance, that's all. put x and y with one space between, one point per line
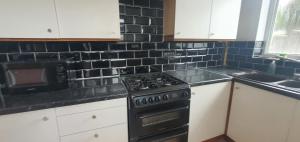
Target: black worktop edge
269 87
210 82
21 109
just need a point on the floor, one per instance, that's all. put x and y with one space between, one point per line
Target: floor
220 139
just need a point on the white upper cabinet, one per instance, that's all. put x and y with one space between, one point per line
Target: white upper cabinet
192 19
201 19
88 18
224 19
60 19
35 126
28 19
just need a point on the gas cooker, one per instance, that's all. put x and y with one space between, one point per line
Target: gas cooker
151 82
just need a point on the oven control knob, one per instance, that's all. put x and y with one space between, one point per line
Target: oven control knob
150 100
157 99
137 102
144 101
165 97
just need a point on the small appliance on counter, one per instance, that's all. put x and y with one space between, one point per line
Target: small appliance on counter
158 108
31 77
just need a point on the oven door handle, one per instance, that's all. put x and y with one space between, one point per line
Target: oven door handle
160 112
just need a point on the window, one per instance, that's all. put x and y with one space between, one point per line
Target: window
284 36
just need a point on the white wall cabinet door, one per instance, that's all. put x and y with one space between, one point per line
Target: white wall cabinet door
88 18
28 19
259 116
192 19
35 126
294 134
224 19
209 104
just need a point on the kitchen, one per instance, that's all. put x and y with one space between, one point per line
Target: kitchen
149 71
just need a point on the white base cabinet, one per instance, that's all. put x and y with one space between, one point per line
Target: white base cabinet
209 104
35 126
294 133
91 122
260 116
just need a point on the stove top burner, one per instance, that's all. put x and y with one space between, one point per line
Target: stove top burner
150 81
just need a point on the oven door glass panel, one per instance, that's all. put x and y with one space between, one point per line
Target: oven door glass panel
24 77
156 122
169 137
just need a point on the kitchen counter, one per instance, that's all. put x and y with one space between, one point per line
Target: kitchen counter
76 94
196 77
289 92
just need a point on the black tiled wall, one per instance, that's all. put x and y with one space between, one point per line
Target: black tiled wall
142 49
246 55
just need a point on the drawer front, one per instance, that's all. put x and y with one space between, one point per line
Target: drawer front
74 123
90 106
117 133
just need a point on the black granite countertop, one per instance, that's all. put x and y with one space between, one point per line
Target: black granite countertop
196 77
273 87
96 90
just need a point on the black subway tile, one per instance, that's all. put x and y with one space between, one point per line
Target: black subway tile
148 46
142 69
156 38
110 72
159 13
127 71
134 62
99 46
148 61
191 65
141 54
144 3
211 63
149 29
75 56
168 67
79 46
91 73
21 57
156 68
156 3
157 21
135 11
133 29
186 59
142 37
187 45
174 60
164 45
141 20
3 58
33 47
180 66
129 2
128 37
161 61
47 56
202 64
127 19
118 47
90 56
101 64
125 55
109 55
149 12
9 47
134 46
175 45
118 63
155 53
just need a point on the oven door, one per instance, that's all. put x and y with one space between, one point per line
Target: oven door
176 136
160 121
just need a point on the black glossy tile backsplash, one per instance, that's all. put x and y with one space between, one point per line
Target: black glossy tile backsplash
142 49
246 55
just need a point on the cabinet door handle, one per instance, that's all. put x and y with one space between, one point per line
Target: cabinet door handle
178 33
49 30
45 118
96 135
193 93
211 34
94 116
